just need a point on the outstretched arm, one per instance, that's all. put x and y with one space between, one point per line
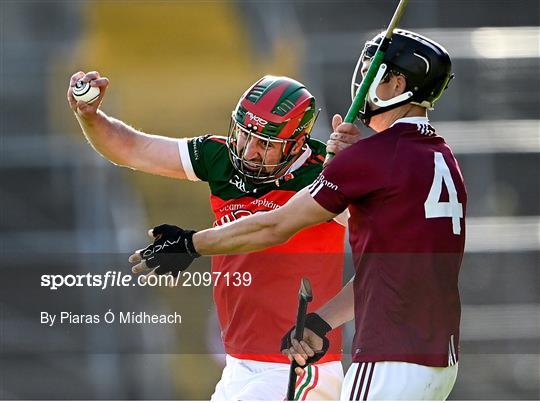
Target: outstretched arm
247 234
262 230
120 143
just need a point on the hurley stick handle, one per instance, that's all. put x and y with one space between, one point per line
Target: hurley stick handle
305 296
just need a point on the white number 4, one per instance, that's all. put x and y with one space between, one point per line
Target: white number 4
452 208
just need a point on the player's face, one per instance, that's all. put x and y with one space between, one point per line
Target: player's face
258 151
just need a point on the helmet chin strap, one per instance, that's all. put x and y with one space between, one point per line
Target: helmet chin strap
372 94
383 106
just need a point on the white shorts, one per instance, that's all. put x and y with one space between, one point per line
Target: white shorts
397 381
257 380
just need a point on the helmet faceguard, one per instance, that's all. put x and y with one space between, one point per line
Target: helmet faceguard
276 112
257 171
424 63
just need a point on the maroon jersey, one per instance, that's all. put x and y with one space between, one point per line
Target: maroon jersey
406 197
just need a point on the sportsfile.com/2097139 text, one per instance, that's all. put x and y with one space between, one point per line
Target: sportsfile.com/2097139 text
118 279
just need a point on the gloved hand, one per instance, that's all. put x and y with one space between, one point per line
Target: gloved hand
316 343
171 252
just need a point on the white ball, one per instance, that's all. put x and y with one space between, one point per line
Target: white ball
84 92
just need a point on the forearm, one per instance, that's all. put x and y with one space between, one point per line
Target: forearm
245 235
262 230
339 309
110 137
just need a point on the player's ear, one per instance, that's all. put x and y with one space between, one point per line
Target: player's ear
400 84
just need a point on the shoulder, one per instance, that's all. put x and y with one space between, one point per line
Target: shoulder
371 150
318 148
310 169
203 146
318 153
216 139
209 141
365 165
208 156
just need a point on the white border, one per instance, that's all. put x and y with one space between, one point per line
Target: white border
185 160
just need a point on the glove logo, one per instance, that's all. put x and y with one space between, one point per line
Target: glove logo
156 248
172 250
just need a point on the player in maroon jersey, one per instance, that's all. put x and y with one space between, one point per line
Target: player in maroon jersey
407 201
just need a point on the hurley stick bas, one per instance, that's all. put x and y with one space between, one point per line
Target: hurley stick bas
360 97
305 296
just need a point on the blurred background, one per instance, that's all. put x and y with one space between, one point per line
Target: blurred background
177 68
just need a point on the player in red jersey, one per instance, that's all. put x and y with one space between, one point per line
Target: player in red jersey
266 159
407 201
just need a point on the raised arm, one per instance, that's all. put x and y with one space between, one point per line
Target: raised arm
120 143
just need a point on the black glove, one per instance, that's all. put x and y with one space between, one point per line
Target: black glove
172 250
318 326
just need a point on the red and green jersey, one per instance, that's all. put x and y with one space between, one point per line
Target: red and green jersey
254 318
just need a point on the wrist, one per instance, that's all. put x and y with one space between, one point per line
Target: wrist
88 119
190 246
331 321
196 242
317 324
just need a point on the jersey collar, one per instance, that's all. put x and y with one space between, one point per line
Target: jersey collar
299 161
413 120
